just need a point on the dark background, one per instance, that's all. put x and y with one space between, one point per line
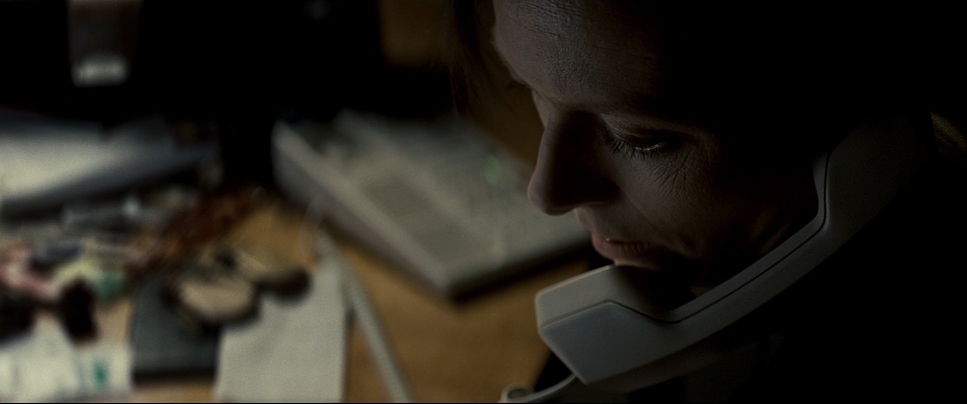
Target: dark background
229 68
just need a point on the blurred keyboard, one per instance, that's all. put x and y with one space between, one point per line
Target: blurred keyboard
437 198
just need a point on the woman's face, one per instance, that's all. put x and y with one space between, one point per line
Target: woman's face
655 189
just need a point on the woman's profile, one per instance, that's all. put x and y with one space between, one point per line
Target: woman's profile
682 137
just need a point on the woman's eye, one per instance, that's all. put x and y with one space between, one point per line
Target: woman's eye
641 146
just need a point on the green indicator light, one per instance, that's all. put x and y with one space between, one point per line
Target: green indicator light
492 169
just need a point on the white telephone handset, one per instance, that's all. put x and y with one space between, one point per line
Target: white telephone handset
603 329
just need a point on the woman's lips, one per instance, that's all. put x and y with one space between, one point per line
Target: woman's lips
618 250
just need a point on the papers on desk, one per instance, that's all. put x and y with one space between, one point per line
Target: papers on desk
295 351
44 163
45 366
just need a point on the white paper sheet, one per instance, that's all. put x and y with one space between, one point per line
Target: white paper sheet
295 351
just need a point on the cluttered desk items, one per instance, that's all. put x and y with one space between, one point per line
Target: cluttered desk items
436 198
297 330
43 365
102 221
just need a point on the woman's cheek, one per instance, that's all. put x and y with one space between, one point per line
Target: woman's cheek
673 175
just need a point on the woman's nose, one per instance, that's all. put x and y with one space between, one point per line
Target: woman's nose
569 172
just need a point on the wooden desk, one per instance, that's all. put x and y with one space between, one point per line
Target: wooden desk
466 352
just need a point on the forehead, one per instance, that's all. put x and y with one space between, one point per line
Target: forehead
595 55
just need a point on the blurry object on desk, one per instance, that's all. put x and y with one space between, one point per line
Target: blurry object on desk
437 198
43 165
294 351
173 338
16 314
226 286
163 344
206 295
129 214
70 297
99 242
66 267
107 284
44 366
266 269
207 219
